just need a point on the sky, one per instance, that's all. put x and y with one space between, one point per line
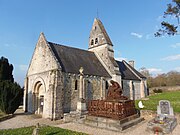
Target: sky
130 25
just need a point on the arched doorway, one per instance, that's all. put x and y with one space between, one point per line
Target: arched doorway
38 97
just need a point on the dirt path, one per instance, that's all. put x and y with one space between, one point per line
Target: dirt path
25 120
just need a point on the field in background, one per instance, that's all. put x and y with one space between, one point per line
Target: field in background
151 104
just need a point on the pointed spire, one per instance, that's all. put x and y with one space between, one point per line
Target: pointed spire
42 37
98 35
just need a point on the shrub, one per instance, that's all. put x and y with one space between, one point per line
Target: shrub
157 90
10 96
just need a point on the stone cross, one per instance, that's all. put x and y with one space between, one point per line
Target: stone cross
81 104
81 88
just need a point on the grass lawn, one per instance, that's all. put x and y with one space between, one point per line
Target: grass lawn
173 97
44 130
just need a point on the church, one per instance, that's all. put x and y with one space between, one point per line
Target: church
62 79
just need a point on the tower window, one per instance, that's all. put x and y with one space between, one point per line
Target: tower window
76 85
92 42
94 27
96 40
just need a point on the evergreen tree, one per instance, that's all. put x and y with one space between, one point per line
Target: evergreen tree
6 70
10 92
10 96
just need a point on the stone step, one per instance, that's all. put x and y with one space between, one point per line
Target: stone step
111 124
131 123
132 117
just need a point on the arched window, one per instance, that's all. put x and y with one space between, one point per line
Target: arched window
96 40
95 27
92 42
107 85
76 85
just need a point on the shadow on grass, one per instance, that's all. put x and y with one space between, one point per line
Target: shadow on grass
53 133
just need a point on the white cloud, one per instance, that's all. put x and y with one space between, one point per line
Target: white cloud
23 67
175 45
121 58
154 70
177 69
136 35
172 58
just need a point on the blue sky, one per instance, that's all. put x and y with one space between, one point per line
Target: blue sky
130 25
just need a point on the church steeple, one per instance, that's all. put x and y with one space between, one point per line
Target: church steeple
98 35
101 45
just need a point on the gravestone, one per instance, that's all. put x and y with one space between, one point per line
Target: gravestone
164 108
165 120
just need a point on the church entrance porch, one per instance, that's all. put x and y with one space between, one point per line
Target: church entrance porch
38 98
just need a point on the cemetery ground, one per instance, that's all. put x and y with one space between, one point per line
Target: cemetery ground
23 123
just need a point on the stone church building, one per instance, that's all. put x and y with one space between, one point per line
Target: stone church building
61 79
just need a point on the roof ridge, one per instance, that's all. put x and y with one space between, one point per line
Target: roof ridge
71 59
69 47
133 70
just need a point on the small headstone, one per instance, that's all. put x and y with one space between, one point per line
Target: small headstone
36 130
165 121
165 108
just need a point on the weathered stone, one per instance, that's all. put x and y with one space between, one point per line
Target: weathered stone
52 90
110 124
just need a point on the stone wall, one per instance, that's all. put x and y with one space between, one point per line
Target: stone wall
92 85
136 89
165 88
47 90
43 59
51 90
44 71
70 93
126 88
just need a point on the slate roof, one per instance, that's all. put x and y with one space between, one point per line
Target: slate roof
71 59
128 72
104 31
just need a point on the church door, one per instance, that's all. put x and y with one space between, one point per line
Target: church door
38 95
41 104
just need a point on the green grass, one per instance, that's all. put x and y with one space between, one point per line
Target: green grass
44 130
173 97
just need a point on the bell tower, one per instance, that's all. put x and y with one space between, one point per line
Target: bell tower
99 38
101 45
